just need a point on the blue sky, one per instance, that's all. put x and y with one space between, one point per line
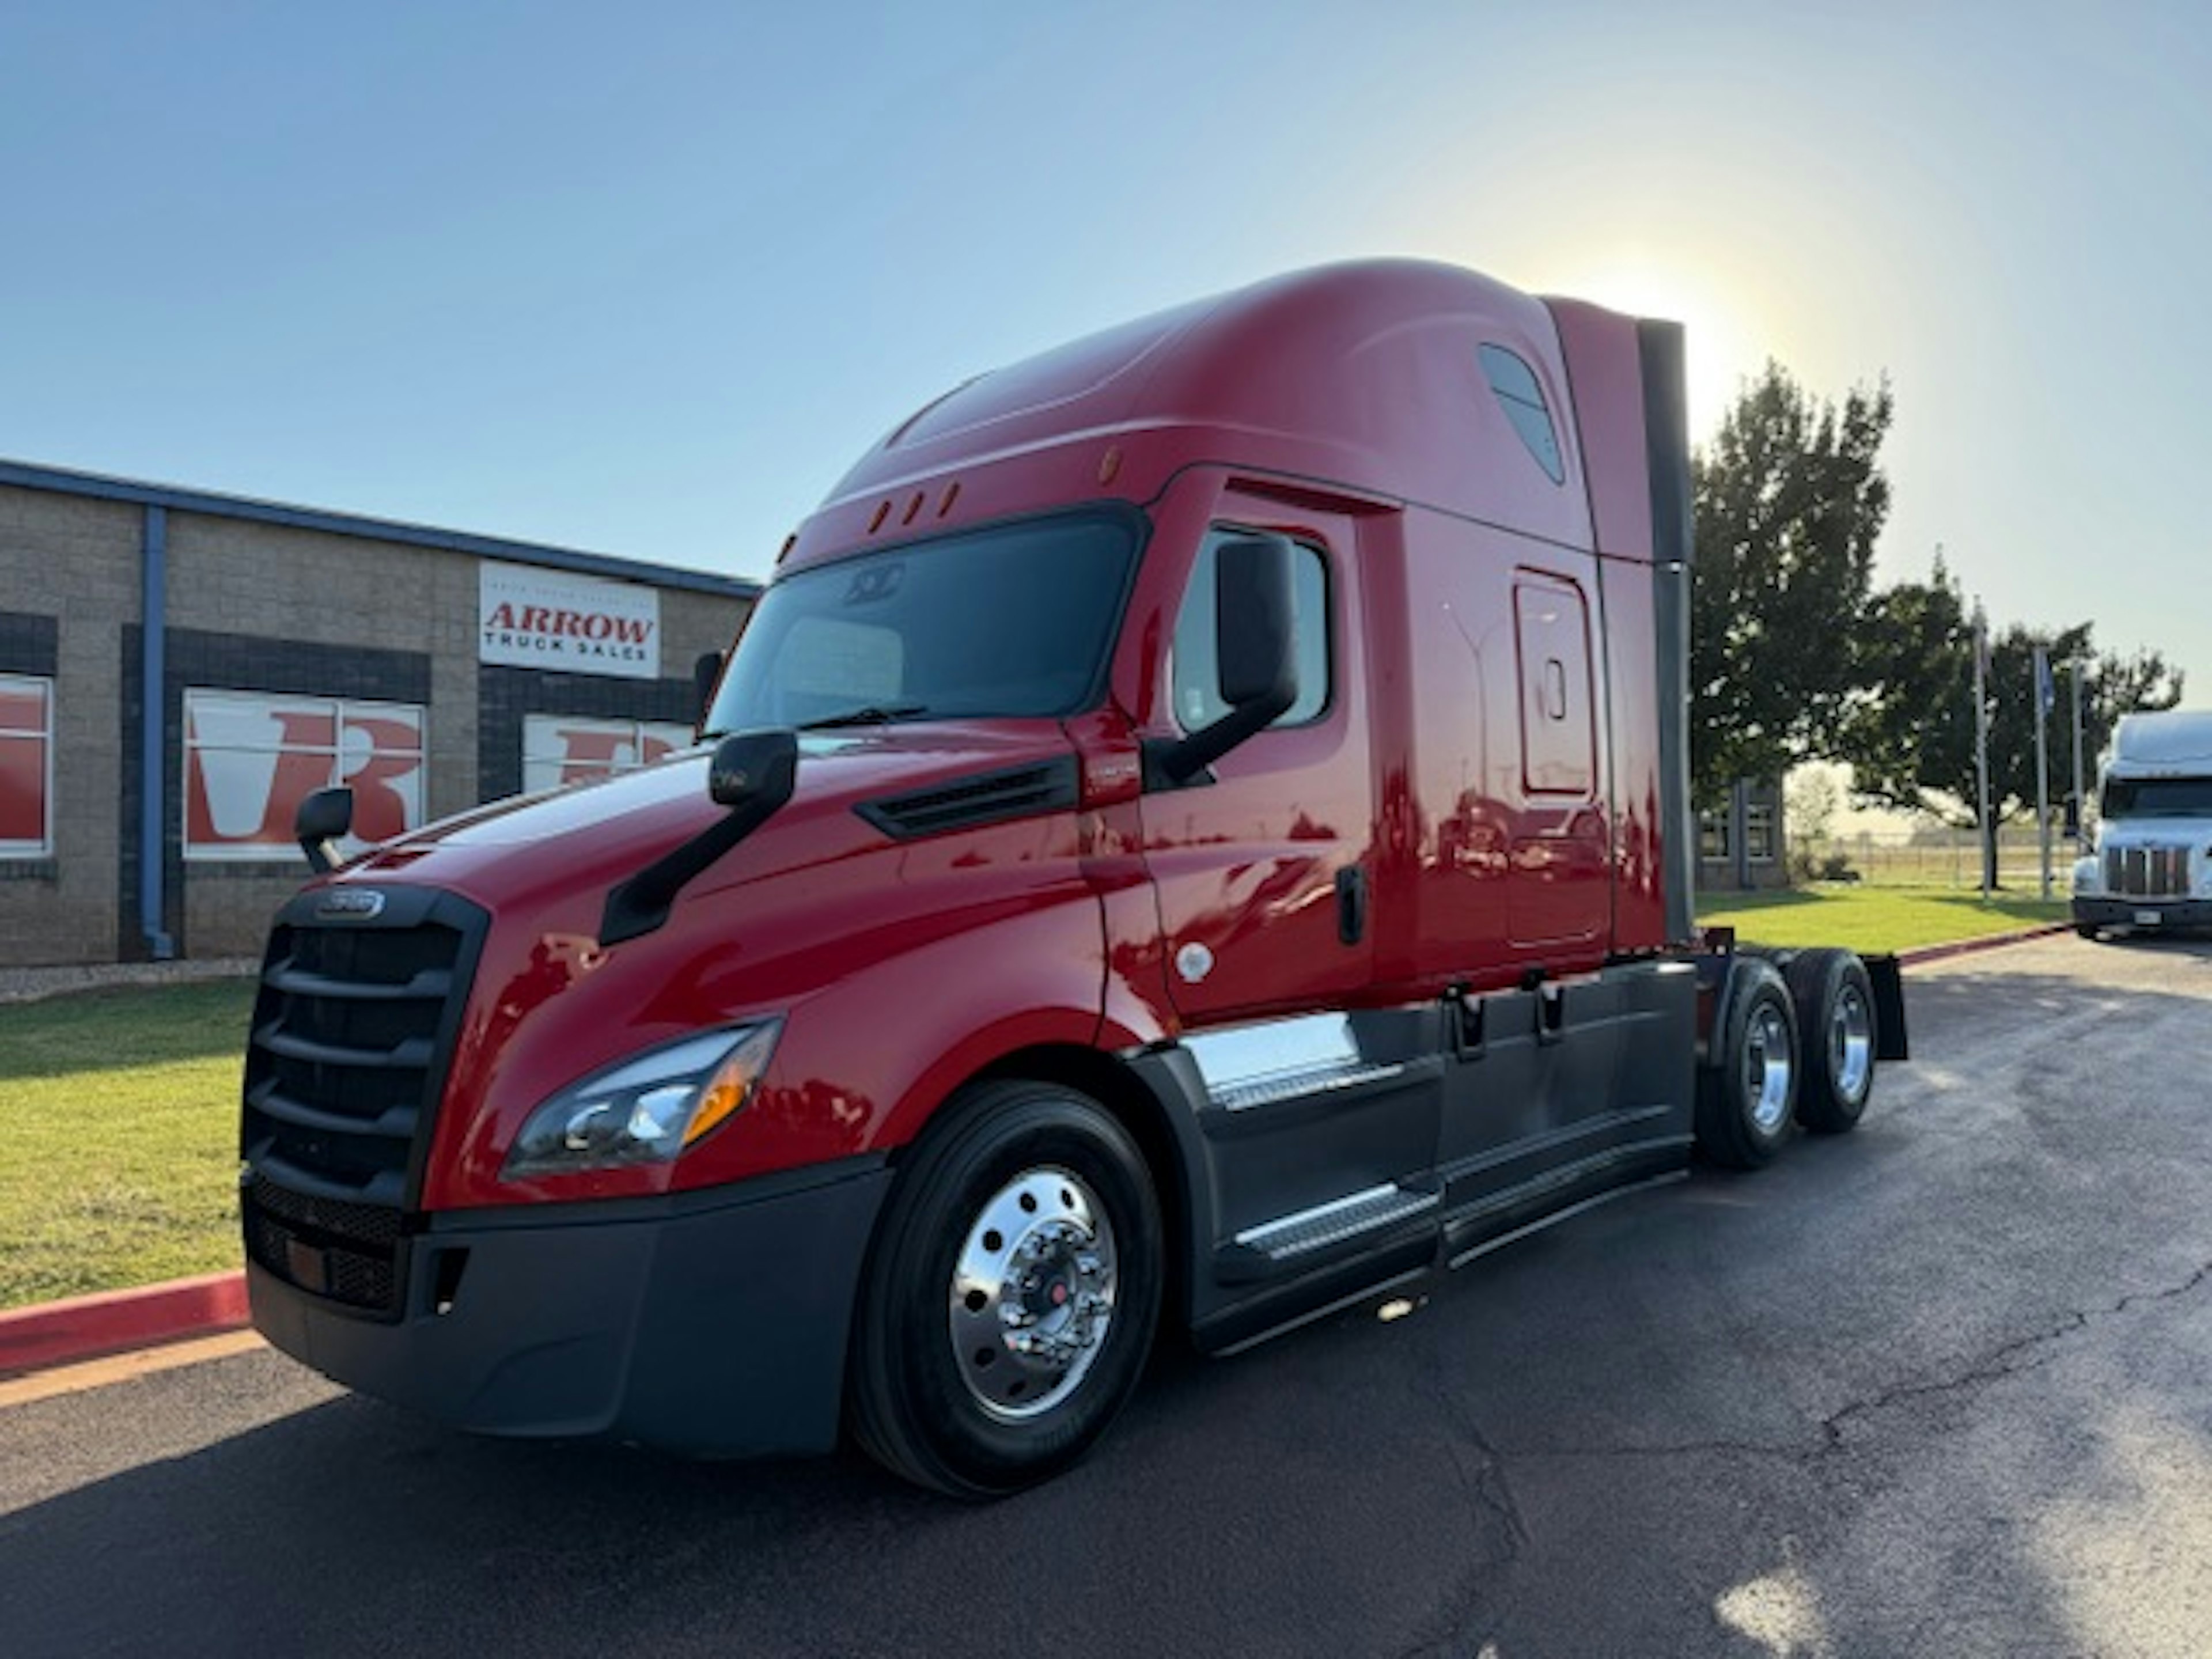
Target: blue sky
644 280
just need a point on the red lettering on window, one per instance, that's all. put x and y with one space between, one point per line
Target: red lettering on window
380 808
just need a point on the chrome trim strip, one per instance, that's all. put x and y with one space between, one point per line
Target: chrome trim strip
1299 1085
1339 1218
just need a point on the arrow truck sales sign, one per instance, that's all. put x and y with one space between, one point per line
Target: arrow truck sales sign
532 618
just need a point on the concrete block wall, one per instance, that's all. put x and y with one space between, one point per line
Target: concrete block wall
74 562
256 605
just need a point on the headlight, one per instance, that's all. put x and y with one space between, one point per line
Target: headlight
646 1108
2085 876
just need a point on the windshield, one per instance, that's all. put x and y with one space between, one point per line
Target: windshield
1008 622
2158 798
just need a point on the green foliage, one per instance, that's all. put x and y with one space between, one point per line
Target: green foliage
1870 919
1910 735
121 1108
1789 499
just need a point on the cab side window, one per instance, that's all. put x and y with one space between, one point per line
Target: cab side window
1196 674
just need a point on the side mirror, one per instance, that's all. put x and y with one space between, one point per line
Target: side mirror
1255 645
752 775
320 824
2072 830
1255 650
750 767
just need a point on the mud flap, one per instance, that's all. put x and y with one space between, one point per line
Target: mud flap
1891 1041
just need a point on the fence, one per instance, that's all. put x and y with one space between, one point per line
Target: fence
1932 856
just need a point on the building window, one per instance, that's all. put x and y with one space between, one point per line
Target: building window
1198 677
250 759
1713 834
558 750
27 767
1759 832
1514 384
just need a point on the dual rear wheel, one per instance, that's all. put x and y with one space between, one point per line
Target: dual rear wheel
1796 1043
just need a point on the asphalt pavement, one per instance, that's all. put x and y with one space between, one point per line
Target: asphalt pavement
1942 1387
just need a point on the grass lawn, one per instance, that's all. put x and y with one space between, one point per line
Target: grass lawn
120 1111
1871 918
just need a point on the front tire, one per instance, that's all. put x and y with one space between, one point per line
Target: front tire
1011 1294
1747 1094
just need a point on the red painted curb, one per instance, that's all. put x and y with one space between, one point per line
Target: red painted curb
87 1327
1989 942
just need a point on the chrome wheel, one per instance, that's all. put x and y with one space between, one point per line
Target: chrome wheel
1851 1044
1766 1067
1032 1294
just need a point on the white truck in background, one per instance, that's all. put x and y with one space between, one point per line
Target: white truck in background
2151 868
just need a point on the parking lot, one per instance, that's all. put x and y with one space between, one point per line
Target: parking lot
1941 1387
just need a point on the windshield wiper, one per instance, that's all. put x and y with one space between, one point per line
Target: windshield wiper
873 714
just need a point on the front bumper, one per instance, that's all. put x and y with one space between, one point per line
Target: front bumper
710 1323
2161 915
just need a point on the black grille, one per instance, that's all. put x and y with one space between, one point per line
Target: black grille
343 1076
347 1252
1017 791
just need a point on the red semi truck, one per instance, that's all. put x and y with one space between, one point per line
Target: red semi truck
1194 833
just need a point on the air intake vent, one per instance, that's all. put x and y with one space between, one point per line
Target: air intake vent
1018 792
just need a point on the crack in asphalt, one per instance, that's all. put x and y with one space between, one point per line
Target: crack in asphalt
1470 1613
1467 1614
2006 1360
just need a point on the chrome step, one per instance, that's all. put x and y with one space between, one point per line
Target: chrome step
1324 1225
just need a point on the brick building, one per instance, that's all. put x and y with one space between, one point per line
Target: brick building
288 648
1739 844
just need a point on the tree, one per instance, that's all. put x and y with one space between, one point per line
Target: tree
1909 734
1789 498
1812 799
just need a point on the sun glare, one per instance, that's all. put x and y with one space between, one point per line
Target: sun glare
1720 341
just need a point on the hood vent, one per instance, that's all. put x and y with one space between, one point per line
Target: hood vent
1016 792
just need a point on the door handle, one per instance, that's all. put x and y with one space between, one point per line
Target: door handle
1350 904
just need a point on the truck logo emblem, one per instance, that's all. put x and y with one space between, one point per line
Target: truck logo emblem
1193 961
350 904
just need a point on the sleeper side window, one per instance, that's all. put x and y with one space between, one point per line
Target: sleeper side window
1197 680
1514 383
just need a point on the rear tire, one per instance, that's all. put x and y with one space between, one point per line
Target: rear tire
1747 1094
1011 1296
1836 1022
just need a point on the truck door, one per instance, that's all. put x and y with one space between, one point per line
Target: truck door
1558 888
1263 874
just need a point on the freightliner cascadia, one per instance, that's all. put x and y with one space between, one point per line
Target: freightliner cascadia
1195 834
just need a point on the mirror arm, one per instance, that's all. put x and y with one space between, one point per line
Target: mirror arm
1177 763
751 775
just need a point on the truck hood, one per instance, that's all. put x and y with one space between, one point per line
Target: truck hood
572 844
